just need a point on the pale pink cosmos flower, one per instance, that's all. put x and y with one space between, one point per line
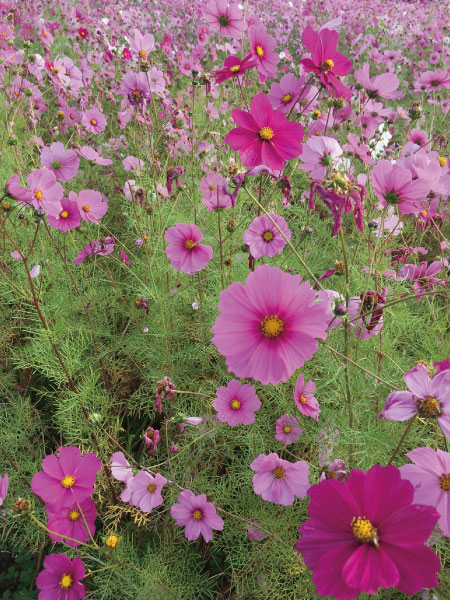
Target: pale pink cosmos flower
45 192
213 188
92 155
184 250
63 163
318 155
287 429
423 277
224 19
146 490
94 121
263 237
91 204
285 94
66 217
379 86
394 185
430 476
236 403
279 481
304 398
122 471
156 81
197 514
142 45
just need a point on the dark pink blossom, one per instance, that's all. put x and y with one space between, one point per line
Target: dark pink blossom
60 579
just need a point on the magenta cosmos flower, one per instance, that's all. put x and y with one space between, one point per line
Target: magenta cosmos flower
278 480
233 67
69 521
326 61
365 533
430 398
267 326
264 136
430 476
224 19
236 403
3 487
92 205
146 490
213 188
261 46
423 277
197 515
67 479
287 429
63 163
263 238
304 398
94 121
380 86
66 216
318 155
60 579
394 185
184 250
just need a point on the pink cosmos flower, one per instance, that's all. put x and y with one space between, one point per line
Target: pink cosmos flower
135 87
3 487
264 136
340 195
285 94
318 155
197 515
92 155
261 46
233 67
430 476
146 490
156 81
418 137
278 480
423 277
365 533
213 188
267 327
236 403
63 163
101 247
430 398
380 86
358 148
431 81
94 121
68 479
326 61
45 192
184 250
92 205
367 325
263 238
152 437
66 216
142 45
122 471
287 429
304 398
69 521
224 19
394 185
60 579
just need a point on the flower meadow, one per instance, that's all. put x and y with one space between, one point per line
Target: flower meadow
224 285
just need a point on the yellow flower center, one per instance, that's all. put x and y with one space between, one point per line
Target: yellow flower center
151 488
94 122
112 541
429 407
268 236
74 515
266 133
68 481
272 326
287 429
235 68
423 213
235 404
327 65
286 98
442 161
317 113
38 194
197 515
212 187
142 53
302 399
259 50
189 244
444 483
64 214
86 207
363 530
279 473
66 581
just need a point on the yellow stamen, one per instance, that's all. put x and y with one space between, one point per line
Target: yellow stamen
266 133
197 515
74 515
444 483
286 98
86 207
327 65
364 531
212 187
66 581
235 68
429 407
189 244
442 161
38 194
423 213
279 473
259 51
94 122
272 326
142 53
287 429
68 481
235 404
64 214
151 488
302 399
268 236
112 541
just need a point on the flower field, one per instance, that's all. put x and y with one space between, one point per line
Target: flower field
224 300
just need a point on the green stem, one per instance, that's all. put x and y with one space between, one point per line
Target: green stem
402 439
